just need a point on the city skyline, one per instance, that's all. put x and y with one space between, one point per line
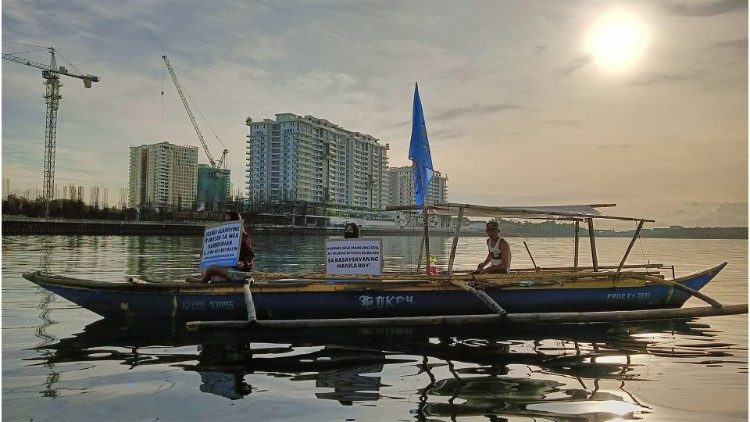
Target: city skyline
524 102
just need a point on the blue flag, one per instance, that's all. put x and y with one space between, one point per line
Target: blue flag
419 152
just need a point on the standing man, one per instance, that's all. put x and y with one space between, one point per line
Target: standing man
498 255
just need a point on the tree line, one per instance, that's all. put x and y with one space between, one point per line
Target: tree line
77 209
64 208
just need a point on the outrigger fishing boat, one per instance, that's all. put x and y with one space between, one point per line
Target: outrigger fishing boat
597 293
569 294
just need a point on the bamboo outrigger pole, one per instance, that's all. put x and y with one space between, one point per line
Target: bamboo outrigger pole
482 296
704 297
251 316
516 318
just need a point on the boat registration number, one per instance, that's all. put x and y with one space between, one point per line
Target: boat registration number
629 296
212 305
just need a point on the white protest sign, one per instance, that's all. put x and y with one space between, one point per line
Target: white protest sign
354 256
221 244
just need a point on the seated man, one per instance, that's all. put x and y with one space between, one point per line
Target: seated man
246 259
499 252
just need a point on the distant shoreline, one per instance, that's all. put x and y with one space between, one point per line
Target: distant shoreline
40 226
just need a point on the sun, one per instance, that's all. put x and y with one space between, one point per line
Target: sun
616 40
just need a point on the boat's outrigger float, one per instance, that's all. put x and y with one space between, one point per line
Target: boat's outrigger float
573 294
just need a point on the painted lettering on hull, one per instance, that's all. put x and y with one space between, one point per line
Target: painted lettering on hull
211 305
630 297
382 302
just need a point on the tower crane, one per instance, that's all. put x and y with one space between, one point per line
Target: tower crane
214 164
51 73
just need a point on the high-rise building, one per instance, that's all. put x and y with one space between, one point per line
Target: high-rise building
123 202
401 181
163 175
6 187
311 160
94 198
213 187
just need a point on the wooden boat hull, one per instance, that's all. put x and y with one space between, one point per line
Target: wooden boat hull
299 299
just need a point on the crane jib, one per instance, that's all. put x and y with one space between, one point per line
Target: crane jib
192 118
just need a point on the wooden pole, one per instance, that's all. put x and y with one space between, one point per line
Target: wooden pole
630 246
426 238
594 261
455 241
708 299
601 267
517 318
251 317
421 250
532 258
482 296
575 256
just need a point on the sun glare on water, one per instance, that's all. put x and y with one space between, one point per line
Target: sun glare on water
616 40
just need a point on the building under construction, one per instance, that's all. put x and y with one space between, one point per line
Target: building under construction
213 188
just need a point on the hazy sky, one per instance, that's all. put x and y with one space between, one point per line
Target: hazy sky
643 104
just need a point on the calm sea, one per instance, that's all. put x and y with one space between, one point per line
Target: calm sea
61 362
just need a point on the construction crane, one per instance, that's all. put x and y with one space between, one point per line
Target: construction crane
221 164
51 73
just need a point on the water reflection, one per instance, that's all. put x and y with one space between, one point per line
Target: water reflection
556 372
159 259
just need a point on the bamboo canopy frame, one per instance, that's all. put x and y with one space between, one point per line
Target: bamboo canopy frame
574 213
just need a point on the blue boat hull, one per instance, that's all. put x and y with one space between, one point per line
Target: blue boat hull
213 303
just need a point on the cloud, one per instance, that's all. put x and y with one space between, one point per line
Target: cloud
708 214
655 78
318 80
445 133
738 46
736 212
704 8
577 64
721 56
615 146
563 122
477 109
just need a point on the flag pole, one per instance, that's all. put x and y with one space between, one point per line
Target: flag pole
419 153
426 238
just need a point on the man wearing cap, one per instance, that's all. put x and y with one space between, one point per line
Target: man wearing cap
499 252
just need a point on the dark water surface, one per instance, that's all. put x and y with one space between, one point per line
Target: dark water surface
61 362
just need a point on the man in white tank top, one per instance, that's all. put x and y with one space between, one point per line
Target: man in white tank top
498 255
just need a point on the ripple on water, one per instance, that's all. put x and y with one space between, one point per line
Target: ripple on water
63 362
